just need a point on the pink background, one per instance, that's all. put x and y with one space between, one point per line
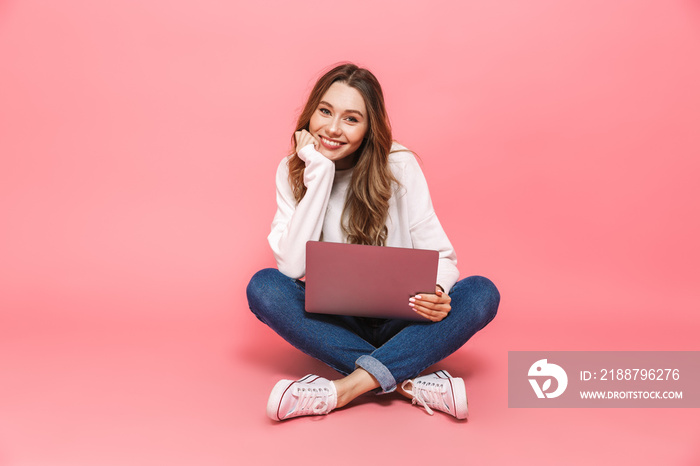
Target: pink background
139 141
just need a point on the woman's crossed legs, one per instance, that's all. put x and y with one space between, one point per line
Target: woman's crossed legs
370 353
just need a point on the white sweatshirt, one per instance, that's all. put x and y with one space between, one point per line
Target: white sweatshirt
411 222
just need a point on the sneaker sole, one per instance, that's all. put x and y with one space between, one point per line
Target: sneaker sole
460 394
273 403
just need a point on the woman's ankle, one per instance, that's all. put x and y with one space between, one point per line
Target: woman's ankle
350 387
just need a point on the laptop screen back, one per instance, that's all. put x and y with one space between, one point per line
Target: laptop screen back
367 281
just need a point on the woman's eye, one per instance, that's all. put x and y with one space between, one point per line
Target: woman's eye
352 120
325 111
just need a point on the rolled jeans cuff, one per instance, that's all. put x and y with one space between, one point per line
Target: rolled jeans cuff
379 371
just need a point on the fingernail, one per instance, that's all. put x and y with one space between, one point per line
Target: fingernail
418 296
413 300
411 304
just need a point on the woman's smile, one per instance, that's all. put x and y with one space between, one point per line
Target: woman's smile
329 143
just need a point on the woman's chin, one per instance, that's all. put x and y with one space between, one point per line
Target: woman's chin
331 155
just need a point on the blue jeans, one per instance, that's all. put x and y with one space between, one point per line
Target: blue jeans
391 350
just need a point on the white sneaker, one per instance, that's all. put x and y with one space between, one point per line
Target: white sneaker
440 391
306 396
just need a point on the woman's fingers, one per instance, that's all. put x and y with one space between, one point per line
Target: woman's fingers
431 300
431 306
431 314
304 138
441 298
300 138
439 308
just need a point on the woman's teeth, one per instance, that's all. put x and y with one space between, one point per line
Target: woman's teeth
330 143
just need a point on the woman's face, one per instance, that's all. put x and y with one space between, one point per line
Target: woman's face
340 123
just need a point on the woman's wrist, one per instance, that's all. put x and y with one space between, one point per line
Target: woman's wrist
306 151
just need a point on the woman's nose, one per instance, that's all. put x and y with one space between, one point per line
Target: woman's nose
334 127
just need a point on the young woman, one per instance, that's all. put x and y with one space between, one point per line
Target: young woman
348 182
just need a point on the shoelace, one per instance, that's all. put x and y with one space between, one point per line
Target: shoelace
426 394
312 400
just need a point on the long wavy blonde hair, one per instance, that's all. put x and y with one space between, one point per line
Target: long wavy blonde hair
367 201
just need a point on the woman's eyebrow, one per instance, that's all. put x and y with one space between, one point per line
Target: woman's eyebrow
346 111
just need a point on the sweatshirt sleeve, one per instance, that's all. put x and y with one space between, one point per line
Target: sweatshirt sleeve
296 223
426 230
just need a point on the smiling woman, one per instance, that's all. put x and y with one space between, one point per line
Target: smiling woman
334 111
347 182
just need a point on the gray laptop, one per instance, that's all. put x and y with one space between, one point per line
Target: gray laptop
367 281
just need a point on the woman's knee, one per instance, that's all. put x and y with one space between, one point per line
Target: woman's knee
271 293
482 295
261 287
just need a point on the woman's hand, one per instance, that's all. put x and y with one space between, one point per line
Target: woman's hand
432 306
304 138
